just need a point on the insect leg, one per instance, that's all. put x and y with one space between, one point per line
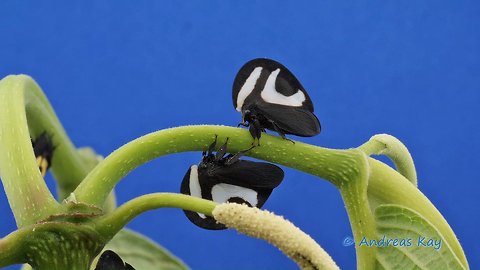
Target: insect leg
279 131
237 156
243 124
256 132
42 165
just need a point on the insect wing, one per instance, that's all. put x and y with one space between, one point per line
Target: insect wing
191 180
250 174
290 120
245 82
270 81
241 182
262 196
247 182
109 260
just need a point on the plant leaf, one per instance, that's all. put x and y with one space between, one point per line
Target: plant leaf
402 223
141 253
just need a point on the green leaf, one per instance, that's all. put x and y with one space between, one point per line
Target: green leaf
140 252
426 249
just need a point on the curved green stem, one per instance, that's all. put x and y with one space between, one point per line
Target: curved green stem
395 150
362 222
346 169
22 92
12 248
28 195
91 159
333 165
110 224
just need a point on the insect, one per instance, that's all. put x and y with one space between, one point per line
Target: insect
228 179
109 260
43 149
270 97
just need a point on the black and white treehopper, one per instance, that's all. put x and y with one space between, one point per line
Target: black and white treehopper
270 97
43 148
109 260
223 179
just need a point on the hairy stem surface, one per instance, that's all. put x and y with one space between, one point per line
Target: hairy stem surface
110 224
333 165
27 193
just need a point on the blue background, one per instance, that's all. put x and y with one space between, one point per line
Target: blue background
116 70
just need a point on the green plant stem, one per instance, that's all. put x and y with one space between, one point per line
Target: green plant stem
340 167
22 93
395 150
355 197
110 224
334 165
11 248
91 159
51 246
28 195
67 167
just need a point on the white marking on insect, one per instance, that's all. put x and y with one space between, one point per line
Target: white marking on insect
194 185
271 95
222 192
247 87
